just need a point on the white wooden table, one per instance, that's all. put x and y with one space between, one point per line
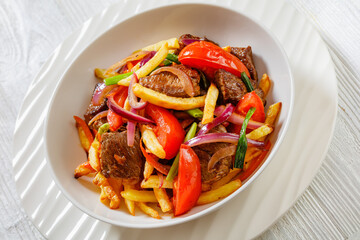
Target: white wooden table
329 208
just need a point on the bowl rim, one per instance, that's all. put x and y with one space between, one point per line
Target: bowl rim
222 202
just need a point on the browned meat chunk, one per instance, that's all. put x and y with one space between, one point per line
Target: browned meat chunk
185 39
245 56
204 153
231 88
118 159
92 110
169 84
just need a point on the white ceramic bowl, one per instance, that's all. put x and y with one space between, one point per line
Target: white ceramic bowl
74 90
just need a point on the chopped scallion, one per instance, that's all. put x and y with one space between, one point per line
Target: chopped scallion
242 143
175 166
247 82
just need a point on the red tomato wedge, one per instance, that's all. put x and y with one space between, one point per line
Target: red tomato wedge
168 130
114 119
209 57
248 101
187 185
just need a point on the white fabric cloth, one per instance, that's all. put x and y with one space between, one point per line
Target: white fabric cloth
330 207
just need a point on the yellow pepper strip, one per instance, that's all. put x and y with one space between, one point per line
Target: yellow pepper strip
210 104
149 66
165 101
173 43
151 142
221 192
139 196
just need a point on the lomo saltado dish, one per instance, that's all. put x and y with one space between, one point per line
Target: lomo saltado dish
176 124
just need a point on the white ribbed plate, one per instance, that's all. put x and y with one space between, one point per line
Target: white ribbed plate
256 208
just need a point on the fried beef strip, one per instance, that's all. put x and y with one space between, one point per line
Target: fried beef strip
169 84
245 56
204 153
117 159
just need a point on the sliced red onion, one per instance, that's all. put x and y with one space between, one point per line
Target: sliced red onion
98 116
187 41
147 58
183 77
220 137
238 119
117 66
131 130
161 179
220 154
133 101
100 93
126 114
229 109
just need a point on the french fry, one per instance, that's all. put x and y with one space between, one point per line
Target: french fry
83 169
227 178
139 196
149 66
112 70
148 170
116 184
166 101
100 180
260 132
221 192
265 84
83 139
127 104
112 196
151 142
272 113
101 73
130 205
251 154
148 210
172 43
210 103
85 135
103 197
154 182
271 116
163 199
107 191
93 157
